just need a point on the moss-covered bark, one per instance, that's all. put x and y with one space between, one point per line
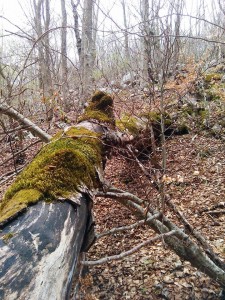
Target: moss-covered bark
135 125
69 164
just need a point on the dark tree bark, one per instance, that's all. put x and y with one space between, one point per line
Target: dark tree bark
39 259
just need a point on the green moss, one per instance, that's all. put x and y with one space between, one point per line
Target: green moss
152 116
99 108
96 115
58 135
212 76
129 123
155 118
202 112
60 169
134 125
195 111
182 129
62 165
7 237
18 201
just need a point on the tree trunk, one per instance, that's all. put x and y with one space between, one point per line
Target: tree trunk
39 259
64 67
76 27
177 42
147 72
45 214
126 38
87 48
44 73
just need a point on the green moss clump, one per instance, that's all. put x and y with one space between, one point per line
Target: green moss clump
134 125
7 237
182 129
195 111
152 116
58 135
129 123
155 118
202 112
60 169
18 201
212 76
99 108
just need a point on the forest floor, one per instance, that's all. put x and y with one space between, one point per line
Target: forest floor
155 272
195 182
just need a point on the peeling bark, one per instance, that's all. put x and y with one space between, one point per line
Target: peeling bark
39 259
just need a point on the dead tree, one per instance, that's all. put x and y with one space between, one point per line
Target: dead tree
45 215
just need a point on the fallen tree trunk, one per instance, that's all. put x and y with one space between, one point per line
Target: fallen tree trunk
40 249
45 214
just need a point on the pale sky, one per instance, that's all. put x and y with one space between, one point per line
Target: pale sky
12 10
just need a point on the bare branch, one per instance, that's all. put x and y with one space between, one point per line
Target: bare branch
129 252
124 228
118 194
215 212
197 235
180 242
33 128
19 152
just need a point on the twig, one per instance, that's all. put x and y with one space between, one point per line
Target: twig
13 154
120 195
124 228
13 173
129 252
13 130
153 179
218 205
17 153
197 235
215 212
215 223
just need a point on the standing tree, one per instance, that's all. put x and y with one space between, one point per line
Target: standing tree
126 36
76 26
64 67
149 43
42 14
87 48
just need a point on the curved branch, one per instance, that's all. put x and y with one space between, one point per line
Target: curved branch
129 252
33 128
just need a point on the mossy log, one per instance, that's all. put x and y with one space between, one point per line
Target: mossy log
45 216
